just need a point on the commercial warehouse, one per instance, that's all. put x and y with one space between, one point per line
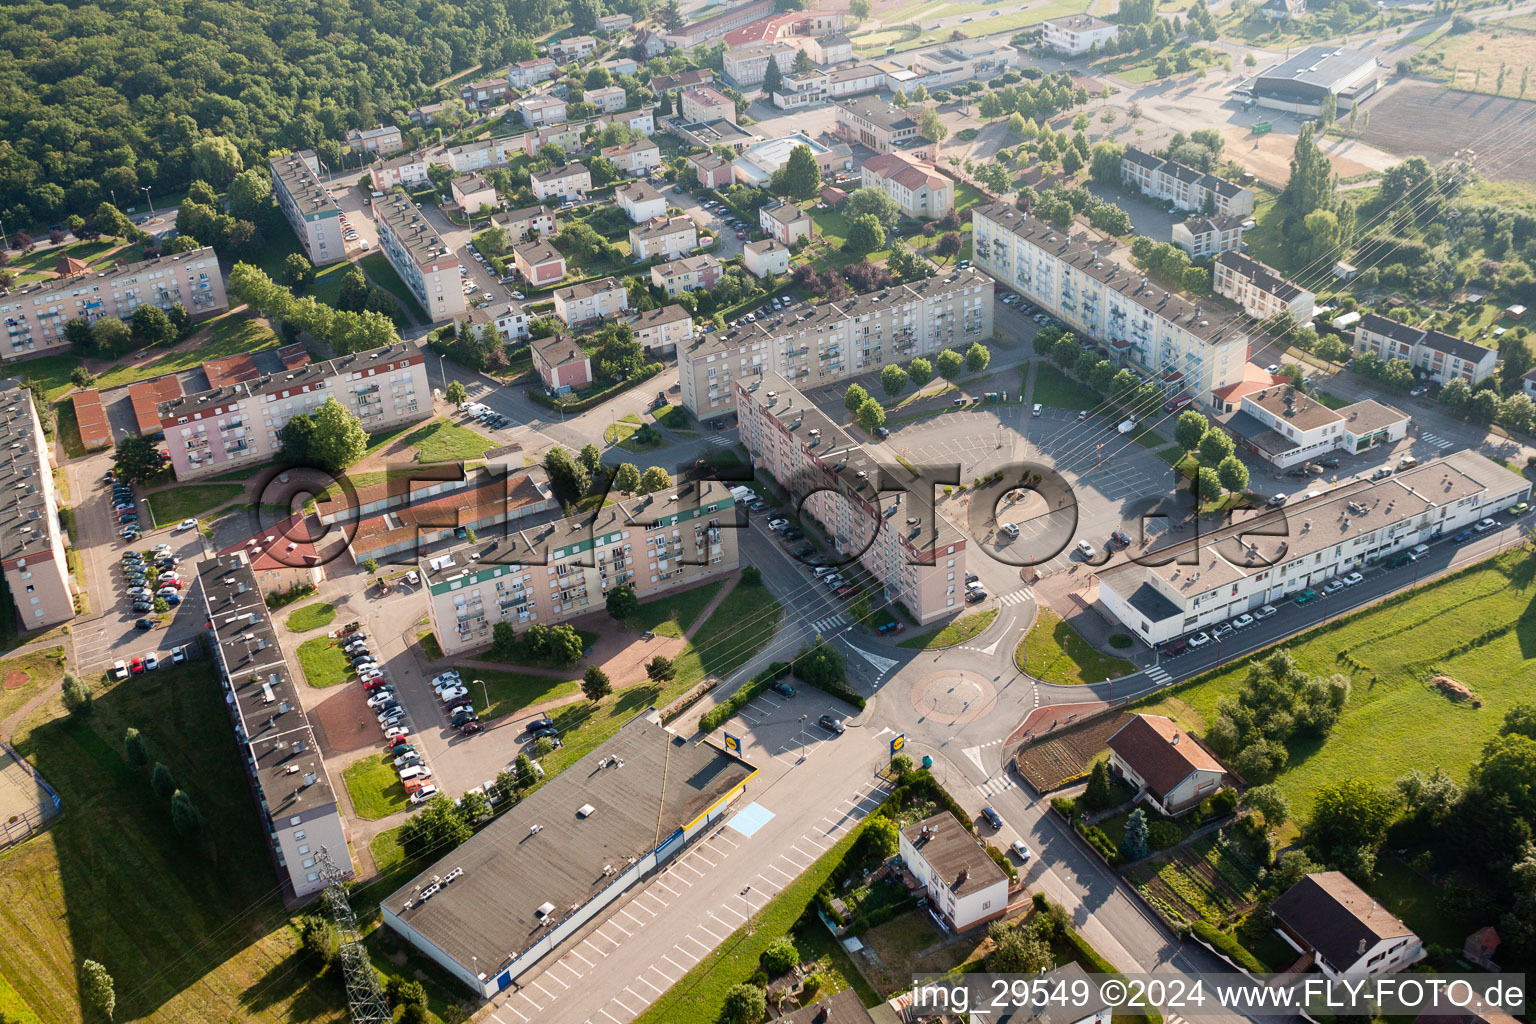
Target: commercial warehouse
1301 84
493 907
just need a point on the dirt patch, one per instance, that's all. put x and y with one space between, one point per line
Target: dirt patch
15 679
344 722
1417 116
907 945
1057 758
1268 157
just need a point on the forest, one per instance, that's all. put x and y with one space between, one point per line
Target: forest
99 99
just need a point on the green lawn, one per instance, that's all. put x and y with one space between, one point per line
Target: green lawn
956 632
324 663
311 616
670 616
376 265
374 787
1055 389
507 692
621 434
442 441
1055 652
189 501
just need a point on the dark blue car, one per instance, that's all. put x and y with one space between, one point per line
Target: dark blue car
1462 537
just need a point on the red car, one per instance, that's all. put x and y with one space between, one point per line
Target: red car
137 666
173 584
848 591
373 684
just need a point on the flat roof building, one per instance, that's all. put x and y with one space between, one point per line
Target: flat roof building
31 539
311 211
427 265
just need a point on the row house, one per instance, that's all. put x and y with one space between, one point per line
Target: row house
427 265
636 159
1183 186
691 273
663 237
1259 289
1442 357
589 301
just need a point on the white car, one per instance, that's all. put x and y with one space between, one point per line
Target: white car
824 570
424 794
180 654
1086 549
383 695
416 771
1020 850
454 693
1353 578
187 524
1265 612
1199 640
445 678
119 669
396 732
1243 621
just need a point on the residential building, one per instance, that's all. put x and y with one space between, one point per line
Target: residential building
612 24
1282 10
1441 356
473 192
429 268
385 138
296 800
621 65
875 122
691 273
711 170
1259 289
510 321
282 557
1203 236
964 886
649 43
791 25
540 109
237 425
31 538
1286 427
740 15
814 87
573 48
832 48
758 161
526 74
308 205
666 237
640 201
659 331
591 300
416 521
1076 34
845 1007
836 341
913 554
918 188
765 257
429 112
1343 929
569 181
1165 765
682 80
528 223
1356 523
706 103
1301 83
748 65
35 314
560 363
785 222
407 170
91 417
1184 187
486 93
637 159
1085 278
577 843
1528 382
606 99
539 263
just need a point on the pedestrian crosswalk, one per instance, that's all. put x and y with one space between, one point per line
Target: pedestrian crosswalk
829 624
1158 675
1017 597
1437 441
719 440
1000 783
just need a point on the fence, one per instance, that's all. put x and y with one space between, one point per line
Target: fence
22 824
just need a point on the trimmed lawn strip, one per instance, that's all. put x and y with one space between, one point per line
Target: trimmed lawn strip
1054 652
374 787
173 505
956 632
311 616
1053 388
671 615
376 266
324 663
510 691
442 441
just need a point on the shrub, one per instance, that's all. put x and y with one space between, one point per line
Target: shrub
1101 842
1065 806
1001 860
1228 946
1163 834
1224 802
780 957
717 715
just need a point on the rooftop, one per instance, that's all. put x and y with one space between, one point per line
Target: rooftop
660 227
587 289
879 110
1160 752
301 182
537 252
1079 23
710 96
686 265
1264 277
558 349
563 171
310 377
954 854
1324 67
636 192
1410 335
413 231
1334 916
90 276
911 174
27 523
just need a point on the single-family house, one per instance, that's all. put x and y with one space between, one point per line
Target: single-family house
660 331
472 192
785 222
561 363
636 159
606 99
711 169
768 256
525 74
529 222
964 886
573 48
664 237
591 300
691 273
540 109
1343 928
488 92
1164 764
539 263
640 201
570 182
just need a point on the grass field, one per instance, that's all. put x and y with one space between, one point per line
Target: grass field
957 632
190 501
442 441
377 267
1055 652
670 616
1394 721
507 692
374 787
1471 59
622 434
324 664
43 669
1055 389
311 616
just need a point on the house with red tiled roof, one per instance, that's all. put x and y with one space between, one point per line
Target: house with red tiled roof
1164 764
917 187
282 556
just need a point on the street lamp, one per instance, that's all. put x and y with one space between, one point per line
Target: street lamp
802 736
147 199
746 897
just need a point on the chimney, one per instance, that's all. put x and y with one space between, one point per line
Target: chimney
1175 740
1361 948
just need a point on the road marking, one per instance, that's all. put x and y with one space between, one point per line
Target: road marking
648 985
1001 784
974 753
561 963
1158 674
737 913
711 934
706 947
828 624
1015 597
531 1003
879 664
610 1016
690 867
583 959
684 953
770 883
674 963
703 858
619 927
541 988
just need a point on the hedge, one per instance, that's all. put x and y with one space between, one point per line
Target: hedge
1002 861
716 716
841 691
1100 842
1227 946
593 400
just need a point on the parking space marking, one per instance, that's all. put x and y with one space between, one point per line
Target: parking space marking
663 885
711 934
514 1009
610 1016
703 858
541 988
620 927
674 963
537 1008
561 963
648 985
551 977
583 959
690 867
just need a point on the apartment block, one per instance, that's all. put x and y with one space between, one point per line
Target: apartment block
540 109
1075 35
636 159
540 263
31 539
570 181
573 48
748 64
875 122
835 341
1355 524
880 516
299 812
314 215
765 257
237 425
591 300
1202 236
667 237
691 273
640 201
426 264
706 104
718 25
1259 289
385 138
1183 186
400 519
917 187
35 314
529 222
660 331
1086 279
651 544
682 80
1442 356
606 99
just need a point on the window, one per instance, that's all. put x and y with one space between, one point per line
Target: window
297 835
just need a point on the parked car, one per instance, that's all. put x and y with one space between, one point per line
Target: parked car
783 689
1306 595
832 724
1482 526
119 669
1086 549
187 524
424 794
993 818
1462 537
144 624
541 722
136 666
1200 639
1265 612
396 733
455 693
1243 621
1353 578
893 626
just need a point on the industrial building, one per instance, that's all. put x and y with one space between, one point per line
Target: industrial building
495 906
1300 84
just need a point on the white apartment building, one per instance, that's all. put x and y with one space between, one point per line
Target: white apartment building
591 300
31 538
1202 236
835 341
540 109
1183 186
426 264
962 882
636 159
314 215
1442 356
765 257
527 73
1219 575
1287 427
1188 346
918 188
230 427
665 237
35 314
1075 35
606 99
748 64
571 181
1259 288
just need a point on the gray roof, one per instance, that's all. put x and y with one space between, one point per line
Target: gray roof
1264 277
652 784
1295 407
302 183
411 228
312 375
563 171
586 289
1410 335
1323 67
951 851
1367 415
1066 974
878 109
1334 916
27 522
